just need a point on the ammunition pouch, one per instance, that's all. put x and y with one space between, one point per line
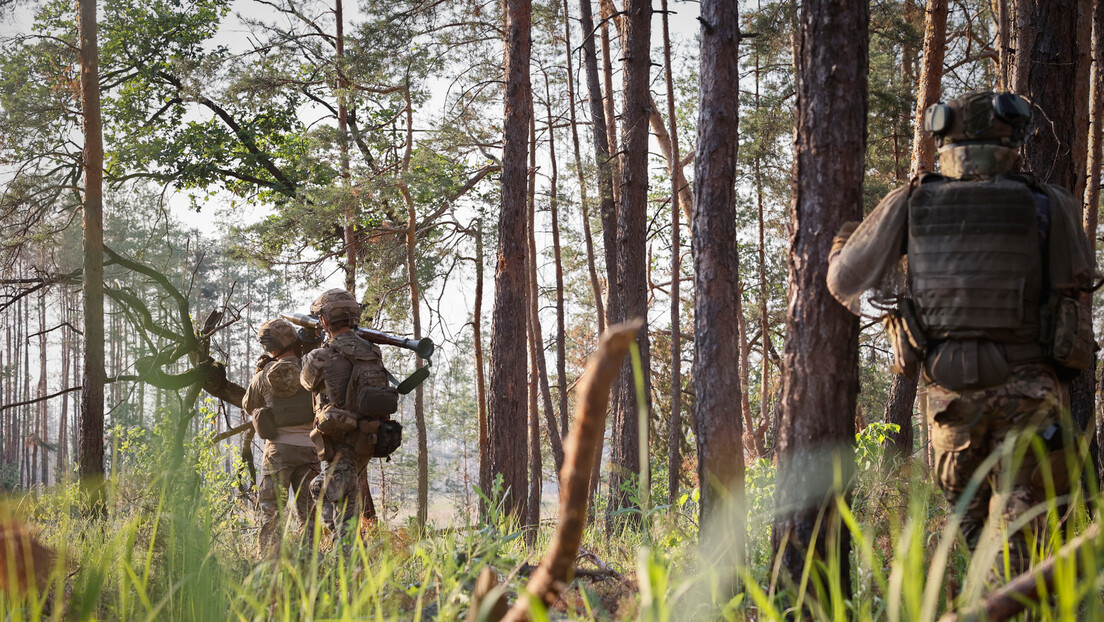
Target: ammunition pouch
264 423
335 422
907 338
1067 333
323 446
376 402
388 438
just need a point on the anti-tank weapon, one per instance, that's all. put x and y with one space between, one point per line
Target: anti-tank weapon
310 332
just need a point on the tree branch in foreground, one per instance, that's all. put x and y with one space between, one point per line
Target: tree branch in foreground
551 578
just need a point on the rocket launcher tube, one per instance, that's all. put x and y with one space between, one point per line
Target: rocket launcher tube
423 347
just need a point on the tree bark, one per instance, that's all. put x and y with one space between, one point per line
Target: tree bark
485 479
931 75
536 478
820 364
606 208
554 208
416 318
43 406
1056 142
674 428
506 420
1096 136
588 238
632 282
92 394
717 388
343 136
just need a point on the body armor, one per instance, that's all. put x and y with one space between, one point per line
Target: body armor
976 276
294 410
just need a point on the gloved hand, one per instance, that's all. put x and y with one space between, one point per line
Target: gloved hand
844 234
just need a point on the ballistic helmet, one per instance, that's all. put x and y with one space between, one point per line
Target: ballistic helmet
979 117
277 335
338 306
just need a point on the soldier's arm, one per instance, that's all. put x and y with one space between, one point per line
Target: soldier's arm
255 393
312 378
1072 265
862 255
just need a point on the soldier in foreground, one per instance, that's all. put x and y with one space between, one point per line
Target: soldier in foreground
352 405
281 412
982 267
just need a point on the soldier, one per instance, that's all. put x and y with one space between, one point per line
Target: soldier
352 405
281 412
985 266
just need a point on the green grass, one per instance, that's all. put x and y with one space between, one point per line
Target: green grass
181 546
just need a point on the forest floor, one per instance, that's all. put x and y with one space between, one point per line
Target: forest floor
182 546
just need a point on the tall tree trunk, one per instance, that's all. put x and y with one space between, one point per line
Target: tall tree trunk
92 393
1056 142
674 428
1096 136
506 420
343 138
931 75
716 284
606 208
43 410
62 462
554 208
632 214
902 393
536 477
485 479
588 238
416 318
1004 43
758 435
820 365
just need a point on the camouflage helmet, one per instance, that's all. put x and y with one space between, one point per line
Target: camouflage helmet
276 335
979 117
337 305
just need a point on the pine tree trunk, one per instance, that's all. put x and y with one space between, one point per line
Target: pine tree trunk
931 75
607 209
1092 186
716 380
43 406
759 434
416 319
536 477
632 284
506 420
554 207
1056 140
674 427
820 365
485 482
902 393
588 238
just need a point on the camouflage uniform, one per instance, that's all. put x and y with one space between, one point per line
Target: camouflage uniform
344 440
991 376
289 459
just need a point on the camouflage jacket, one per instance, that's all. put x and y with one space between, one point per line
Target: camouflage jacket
278 379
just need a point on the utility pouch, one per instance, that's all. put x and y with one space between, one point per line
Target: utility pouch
376 402
1067 325
264 423
388 438
322 445
906 337
335 422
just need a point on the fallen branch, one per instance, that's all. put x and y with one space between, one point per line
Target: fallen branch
1022 591
231 432
552 576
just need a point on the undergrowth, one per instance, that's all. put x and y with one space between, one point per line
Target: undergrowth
181 545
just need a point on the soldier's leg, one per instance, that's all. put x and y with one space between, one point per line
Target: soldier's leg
304 473
959 439
1034 408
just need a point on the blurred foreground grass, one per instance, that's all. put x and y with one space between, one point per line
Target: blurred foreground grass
182 546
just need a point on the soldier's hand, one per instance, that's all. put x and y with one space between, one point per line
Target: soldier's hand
844 234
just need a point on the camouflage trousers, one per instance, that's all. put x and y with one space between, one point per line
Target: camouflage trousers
968 426
338 485
283 467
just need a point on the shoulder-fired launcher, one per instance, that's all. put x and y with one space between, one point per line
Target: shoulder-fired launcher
423 347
